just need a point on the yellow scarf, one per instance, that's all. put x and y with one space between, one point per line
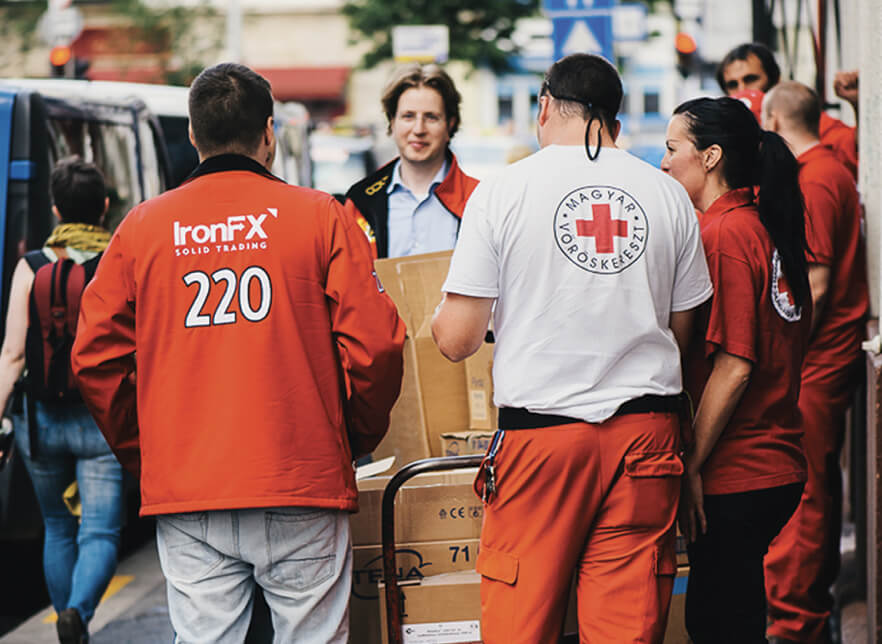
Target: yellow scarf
84 237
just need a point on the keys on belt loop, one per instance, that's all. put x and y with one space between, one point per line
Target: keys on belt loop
489 481
489 467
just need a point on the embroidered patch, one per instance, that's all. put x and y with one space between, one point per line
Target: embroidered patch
782 300
601 229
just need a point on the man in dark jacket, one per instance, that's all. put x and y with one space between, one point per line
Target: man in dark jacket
414 204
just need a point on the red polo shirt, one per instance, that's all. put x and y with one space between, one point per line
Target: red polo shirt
842 139
751 315
833 231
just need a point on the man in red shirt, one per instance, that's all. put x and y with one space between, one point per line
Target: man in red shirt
268 357
753 66
803 561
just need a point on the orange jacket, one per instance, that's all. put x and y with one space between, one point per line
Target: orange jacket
262 338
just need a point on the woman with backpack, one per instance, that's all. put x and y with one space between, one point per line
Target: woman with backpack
58 439
745 468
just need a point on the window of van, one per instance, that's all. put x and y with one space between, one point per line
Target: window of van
112 148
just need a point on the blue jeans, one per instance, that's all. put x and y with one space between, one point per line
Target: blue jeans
301 557
78 560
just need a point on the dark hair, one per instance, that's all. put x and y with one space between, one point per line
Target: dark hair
763 53
78 191
229 105
752 156
415 76
587 86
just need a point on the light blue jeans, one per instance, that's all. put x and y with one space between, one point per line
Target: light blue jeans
79 559
301 557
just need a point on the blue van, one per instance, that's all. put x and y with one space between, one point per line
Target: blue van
124 139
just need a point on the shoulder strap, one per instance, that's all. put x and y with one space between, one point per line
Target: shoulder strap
36 259
90 266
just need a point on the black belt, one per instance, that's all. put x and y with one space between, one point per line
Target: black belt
520 418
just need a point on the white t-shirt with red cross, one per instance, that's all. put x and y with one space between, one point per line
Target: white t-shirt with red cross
587 260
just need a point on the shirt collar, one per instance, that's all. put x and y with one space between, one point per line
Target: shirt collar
227 162
730 201
436 181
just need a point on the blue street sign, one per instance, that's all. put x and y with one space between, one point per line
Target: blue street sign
592 34
576 5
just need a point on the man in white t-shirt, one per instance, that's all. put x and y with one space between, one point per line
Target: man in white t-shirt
595 263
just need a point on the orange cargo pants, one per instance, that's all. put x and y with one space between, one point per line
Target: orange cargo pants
598 500
803 560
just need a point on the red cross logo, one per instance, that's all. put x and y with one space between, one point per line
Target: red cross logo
603 228
784 290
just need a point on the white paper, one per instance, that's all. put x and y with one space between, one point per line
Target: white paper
442 632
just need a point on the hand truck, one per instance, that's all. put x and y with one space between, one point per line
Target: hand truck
393 593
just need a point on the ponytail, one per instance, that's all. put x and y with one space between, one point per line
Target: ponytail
782 212
753 157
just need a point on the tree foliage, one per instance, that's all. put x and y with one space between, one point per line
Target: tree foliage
480 31
18 29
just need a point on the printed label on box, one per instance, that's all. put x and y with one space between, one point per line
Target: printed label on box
478 401
442 632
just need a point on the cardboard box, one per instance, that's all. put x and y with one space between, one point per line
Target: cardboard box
453 602
444 608
479 388
442 390
406 439
439 506
415 562
461 443
676 631
431 381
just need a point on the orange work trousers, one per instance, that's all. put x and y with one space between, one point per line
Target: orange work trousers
803 561
597 500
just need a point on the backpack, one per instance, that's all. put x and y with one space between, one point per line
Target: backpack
54 309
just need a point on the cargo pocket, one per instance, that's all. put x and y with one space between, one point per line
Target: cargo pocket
652 464
652 479
664 558
302 545
497 565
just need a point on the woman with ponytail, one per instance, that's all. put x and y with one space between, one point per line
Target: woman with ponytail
745 468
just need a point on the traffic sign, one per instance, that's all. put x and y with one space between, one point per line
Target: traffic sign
421 43
591 34
576 5
629 22
60 25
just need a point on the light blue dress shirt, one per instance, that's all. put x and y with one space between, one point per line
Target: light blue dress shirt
419 225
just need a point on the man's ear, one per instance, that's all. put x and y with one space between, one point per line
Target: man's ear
57 213
269 132
617 129
269 142
452 124
544 107
190 134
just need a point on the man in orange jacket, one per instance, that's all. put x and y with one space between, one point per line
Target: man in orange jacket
803 560
268 357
